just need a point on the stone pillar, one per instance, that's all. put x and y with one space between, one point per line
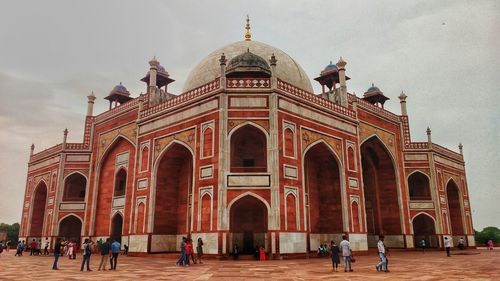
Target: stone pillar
274 79
153 69
402 100
461 148
429 139
223 61
90 104
32 149
342 81
65 138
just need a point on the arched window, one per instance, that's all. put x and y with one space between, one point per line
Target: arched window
350 157
419 188
248 150
355 216
74 188
205 212
291 213
289 147
120 182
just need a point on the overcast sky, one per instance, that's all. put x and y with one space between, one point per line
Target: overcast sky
445 55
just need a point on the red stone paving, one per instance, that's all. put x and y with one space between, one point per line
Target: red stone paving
407 265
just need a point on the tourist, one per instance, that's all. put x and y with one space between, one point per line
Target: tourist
105 248
199 249
7 245
70 249
447 246
256 253
1 246
490 245
57 253
236 252
33 248
461 243
19 249
335 255
64 243
75 248
39 247
115 251
189 250
262 253
87 251
382 265
422 245
345 246
125 246
182 259
46 248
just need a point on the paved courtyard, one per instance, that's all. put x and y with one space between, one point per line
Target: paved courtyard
434 265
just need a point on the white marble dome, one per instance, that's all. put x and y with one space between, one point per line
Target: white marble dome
287 69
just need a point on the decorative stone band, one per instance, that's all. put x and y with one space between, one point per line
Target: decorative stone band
248 83
377 110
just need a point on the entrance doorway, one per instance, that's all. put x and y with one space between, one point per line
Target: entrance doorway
248 224
424 228
116 228
70 229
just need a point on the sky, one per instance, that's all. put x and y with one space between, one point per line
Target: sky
445 56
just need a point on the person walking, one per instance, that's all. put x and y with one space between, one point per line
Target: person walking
382 265
87 251
461 243
345 246
447 246
46 248
70 248
57 253
75 248
422 245
19 249
115 251
182 259
33 247
334 249
199 249
105 248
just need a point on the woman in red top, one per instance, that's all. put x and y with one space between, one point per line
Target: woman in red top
189 250
262 252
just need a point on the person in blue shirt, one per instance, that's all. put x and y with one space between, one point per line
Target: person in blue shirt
115 251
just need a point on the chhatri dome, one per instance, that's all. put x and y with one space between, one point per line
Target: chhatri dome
287 69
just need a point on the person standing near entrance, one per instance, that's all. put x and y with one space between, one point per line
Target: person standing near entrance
199 249
461 243
422 244
115 251
182 259
447 246
105 248
382 265
46 248
33 248
335 255
345 246
57 253
262 253
86 254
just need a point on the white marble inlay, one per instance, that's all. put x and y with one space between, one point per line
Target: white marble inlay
448 162
44 163
422 205
416 157
290 171
293 242
77 158
118 201
206 172
353 183
122 158
71 206
210 242
247 181
138 243
142 183
247 102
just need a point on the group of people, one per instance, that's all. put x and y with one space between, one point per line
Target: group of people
187 251
259 252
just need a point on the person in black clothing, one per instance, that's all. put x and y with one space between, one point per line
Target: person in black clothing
57 253
335 255
236 251
105 248
256 253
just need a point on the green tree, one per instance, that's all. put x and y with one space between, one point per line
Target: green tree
486 234
12 232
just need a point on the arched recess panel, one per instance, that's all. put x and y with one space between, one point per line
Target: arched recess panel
291 211
380 189
38 210
424 228
120 182
351 159
207 142
140 218
74 187
145 158
289 143
355 216
456 216
248 150
322 181
109 167
419 188
206 212
248 223
70 228
173 185
117 227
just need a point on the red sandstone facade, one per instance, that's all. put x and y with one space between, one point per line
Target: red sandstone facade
248 156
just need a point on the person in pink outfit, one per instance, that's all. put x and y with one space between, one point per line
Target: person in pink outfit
490 244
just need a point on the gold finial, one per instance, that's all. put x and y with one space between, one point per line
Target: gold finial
248 36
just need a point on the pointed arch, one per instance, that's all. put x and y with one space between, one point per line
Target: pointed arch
424 228
455 207
38 208
248 148
419 186
117 226
75 186
70 227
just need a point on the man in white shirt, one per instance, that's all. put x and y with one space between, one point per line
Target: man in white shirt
447 245
382 265
345 247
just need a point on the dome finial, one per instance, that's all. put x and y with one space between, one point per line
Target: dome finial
248 36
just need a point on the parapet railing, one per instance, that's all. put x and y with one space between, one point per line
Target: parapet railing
248 83
377 110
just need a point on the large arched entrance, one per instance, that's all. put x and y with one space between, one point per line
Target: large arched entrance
248 224
455 210
174 176
117 227
70 229
38 210
424 228
380 190
323 189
